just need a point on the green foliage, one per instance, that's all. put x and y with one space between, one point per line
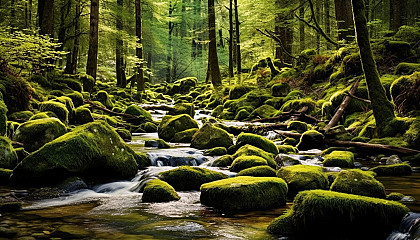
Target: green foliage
358 182
157 190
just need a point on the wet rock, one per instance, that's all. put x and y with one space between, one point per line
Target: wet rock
185 136
8 156
343 159
210 136
9 204
244 162
72 184
223 161
311 140
159 191
402 169
283 160
157 143
170 125
71 232
182 108
393 159
217 151
257 141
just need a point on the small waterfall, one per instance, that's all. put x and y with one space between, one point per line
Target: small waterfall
176 158
409 228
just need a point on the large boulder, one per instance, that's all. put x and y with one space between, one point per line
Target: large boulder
210 136
8 156
186 178
258 171
412 136
244 193
319 214
182 108
170 125
138 112
36 133
157 190
93 151
185 136
257 141
343 159
402 169
359 183
244 162
249 150
311 140
58 108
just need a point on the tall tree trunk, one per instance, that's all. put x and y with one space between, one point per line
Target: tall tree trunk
46 17
327 20
344 20
139 49
238 43
75 53
214 70
231 74
183 27
64 13
284 32
302 26
317 16
92 60
383 110
169 58
398 14
119 47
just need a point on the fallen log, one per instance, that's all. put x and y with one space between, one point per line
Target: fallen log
293 115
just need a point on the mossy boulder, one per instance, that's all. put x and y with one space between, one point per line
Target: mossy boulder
210 136
298 104
36 133
20 116
8 156
158 143
353 216
223 161
341 159
358 182
405 94
244 193
238 91
407 68
280 89
82 115
311 140
402 169
76 98
182 108
150 127
257 141
185 84
142 160
185 136
3 118
242 115
412 136
303 177
124 134
186 178
258 171
88 82
217 151
297 126
40 115
104 98
138 112
244 162
264 111
157 190
93 151
287 149
58 108
170 125
217 111
249 150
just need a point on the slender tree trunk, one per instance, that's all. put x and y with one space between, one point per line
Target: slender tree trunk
231 74
317 16
30 14
92 60
169 58
398 14
284 32
119 47
238 43
214 70
302 27
75 52
344 20
139 49
383 110
46 17
64 13
327 20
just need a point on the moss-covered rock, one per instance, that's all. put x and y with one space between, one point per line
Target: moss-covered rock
40 115
412 136
157 190
356 217
394 196
242 115
82 115
138 112
341 159
244 193
5 175
58 108
217 151
264 111
76 98
403 93
185 136
36 133
402 169
8 156
93 151
287 149
303 177
407 68
3 118
210 136
170 125
297 126
88 83
311 140
182 108
20 116
186 178
298 104
244 162
150 127
217 111
249 150
105 99
258 171
186 84
124 134
238 91
257 141
280 89
143 160
223 161
358 182
158 143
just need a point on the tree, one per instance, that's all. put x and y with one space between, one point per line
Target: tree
284 32
139 48
92 60
231 75
119 47
398 14
344 19
46 17
213 61
383 110
71 65
238 43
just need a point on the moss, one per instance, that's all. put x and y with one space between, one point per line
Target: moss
282 225
313 210
249 150
290 141
150 127
124 134
402 169
3 118
68 103
159 143
412 136
339 133
360 139
72 84
303 177
392 141
257 141
82 115
227 115
186 178
341 159
276 102
258 171
337 76
298 126
138 112
182 108
57 108
92 151
358 182
217 151
210 136
280 89
8 156
41 80
287 149
36 133
264 111
298 104
88 83
17 92
407 68
238 91
185 84
142 160
185 136
217 111
20 116
311 140
105 99
40 115
244 193
394 196
409 34
244 162
77 98
223 161
157 190
170 125
353 106
403 93
242 115
11 128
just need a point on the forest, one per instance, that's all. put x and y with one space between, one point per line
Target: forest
226 119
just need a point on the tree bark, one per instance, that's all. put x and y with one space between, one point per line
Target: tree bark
398 14
76 45
119 47
231 74
383 110
92 60
214 70
344 20
238 43
139 49
169 59
327 20
302 27
46 17
284 32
